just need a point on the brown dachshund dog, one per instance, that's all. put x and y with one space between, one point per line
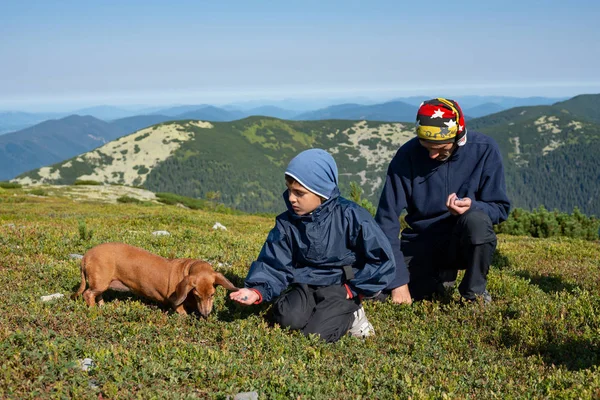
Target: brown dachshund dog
126 268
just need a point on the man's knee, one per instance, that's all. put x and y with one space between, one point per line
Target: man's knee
476 227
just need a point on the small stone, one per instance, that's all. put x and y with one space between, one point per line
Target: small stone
218 225
76 256
161 233
52 296
246 396
86 364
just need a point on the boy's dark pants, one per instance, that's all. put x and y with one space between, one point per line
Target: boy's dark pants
321 310
470 247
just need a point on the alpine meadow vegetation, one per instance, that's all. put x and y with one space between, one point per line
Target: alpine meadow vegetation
539 338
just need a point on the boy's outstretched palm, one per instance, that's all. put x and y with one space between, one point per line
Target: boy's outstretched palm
244 296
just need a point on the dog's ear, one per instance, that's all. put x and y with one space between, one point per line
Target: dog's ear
221 280
182 291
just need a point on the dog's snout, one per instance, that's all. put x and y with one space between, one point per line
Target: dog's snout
205 306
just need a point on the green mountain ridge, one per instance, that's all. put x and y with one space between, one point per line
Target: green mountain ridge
550 156
242 160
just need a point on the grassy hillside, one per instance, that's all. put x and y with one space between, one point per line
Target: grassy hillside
584 105
540 338
550 156
242 160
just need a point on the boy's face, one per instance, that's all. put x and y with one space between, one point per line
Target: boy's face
303 200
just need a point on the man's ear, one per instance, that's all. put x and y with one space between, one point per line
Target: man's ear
182 291
221 280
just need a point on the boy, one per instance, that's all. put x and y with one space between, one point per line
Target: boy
323 256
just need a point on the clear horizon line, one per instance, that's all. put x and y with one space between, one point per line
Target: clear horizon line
228 96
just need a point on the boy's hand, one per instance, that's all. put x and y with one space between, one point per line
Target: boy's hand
244 296
401 295
458 206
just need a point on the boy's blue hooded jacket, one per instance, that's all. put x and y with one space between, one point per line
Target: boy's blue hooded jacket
421 185
312 249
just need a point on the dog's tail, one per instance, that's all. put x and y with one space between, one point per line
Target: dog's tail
82 285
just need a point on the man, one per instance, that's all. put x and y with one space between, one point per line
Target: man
452 186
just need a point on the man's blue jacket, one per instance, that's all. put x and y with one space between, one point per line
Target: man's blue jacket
312 249
421 185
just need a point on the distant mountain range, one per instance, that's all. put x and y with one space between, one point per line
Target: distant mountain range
11 121
550 155
398 110
395 111
56 140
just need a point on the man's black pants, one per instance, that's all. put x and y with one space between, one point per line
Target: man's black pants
321 310
470 247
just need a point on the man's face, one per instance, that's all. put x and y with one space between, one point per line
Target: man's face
303 201
439 152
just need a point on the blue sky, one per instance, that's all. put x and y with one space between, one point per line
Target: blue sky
80 53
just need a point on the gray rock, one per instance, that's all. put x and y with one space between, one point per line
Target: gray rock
161 233
86 364
220 226
51 297
76 256
246 396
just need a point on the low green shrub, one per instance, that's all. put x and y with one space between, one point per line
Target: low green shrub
195 204
87 182
10 185
128 199
85 234
541 223
38 192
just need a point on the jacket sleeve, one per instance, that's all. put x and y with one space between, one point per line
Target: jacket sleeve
391 204
271 273
375 250
491 196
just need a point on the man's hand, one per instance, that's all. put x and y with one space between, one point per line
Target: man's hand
401 295
244 296
458 206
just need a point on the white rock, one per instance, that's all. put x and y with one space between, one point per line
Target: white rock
76 256
246 396
161 233
86 364
218 225
52 296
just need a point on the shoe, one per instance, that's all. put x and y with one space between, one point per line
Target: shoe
361 327
486 297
